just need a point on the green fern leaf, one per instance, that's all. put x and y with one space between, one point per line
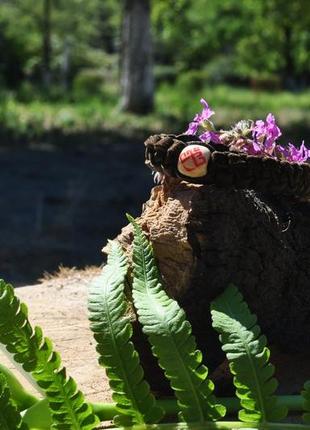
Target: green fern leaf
306 395
169 333
248 357
35 352
113 331
10 418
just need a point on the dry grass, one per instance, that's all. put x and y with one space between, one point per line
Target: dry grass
69 275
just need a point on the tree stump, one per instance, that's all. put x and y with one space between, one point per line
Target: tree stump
205 238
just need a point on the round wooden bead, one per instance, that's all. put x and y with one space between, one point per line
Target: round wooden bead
193 161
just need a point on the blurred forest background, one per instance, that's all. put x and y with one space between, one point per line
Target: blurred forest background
83 83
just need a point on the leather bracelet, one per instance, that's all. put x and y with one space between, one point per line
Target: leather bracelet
229 169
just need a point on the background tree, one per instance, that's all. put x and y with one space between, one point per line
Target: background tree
46 42
136 57
57 36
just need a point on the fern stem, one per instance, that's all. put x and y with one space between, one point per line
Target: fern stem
293 403
106 411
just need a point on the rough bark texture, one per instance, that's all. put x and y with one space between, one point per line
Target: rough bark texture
205 238
136 63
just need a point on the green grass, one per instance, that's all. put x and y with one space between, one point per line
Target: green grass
232 104
175 107
33 119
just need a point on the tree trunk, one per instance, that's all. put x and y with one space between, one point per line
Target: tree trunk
136 58
65 66
46 43
289 69
206 238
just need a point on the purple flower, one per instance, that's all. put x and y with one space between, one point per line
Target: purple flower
266 133
210 136
262 143
192 128
251 147
199 118
206 111
293 154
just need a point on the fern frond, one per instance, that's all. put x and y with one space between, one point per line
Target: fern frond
10 418
113 331
35 352
248 358
306 395
170 335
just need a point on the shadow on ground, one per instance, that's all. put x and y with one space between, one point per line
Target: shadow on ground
61 202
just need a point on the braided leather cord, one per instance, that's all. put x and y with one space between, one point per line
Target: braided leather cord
227 169
162 152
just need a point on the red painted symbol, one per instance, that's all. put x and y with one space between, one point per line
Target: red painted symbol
191 158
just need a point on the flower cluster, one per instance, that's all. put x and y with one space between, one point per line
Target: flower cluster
254 138
265 134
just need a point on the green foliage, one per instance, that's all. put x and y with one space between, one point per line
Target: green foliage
175 106
306 395
39 416
169 333
10 418
262 40
80 32
88 83
37 356
112 331
248 357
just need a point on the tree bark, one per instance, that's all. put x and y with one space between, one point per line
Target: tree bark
137 84
46 43
205 238
289 69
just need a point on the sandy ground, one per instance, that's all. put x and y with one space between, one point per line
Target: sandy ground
59 306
